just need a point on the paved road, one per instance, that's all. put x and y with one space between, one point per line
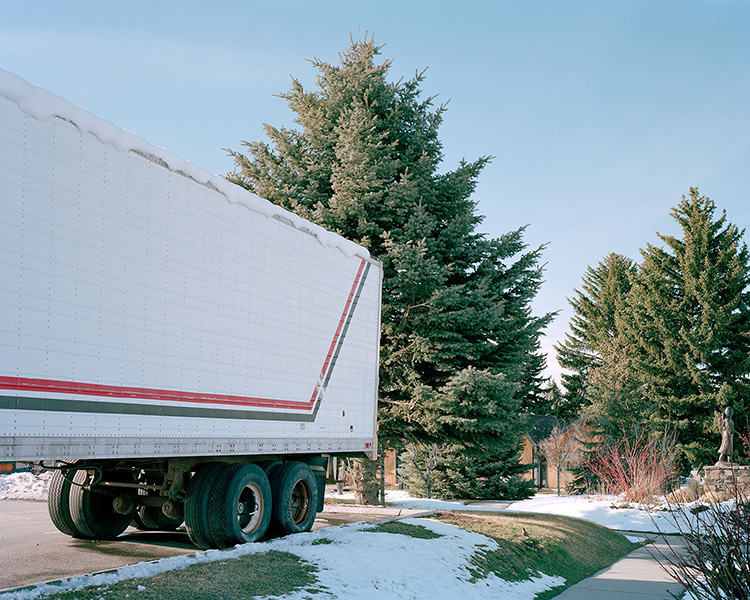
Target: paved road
32 550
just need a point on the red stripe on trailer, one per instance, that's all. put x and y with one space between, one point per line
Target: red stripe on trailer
344 315
25 384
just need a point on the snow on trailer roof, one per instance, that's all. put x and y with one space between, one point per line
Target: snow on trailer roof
42 105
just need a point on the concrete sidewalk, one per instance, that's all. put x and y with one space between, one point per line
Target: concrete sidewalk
635 576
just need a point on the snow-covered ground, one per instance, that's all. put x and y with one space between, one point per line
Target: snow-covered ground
24 486
605 510
405 568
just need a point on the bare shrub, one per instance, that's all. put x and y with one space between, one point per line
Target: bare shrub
562 449
639 467
418 465
714 563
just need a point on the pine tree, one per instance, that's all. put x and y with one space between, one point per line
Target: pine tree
555 403
688 326
481 438
618 404
365 163
594 326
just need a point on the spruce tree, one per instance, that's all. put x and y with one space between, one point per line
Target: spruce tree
554 403
364 162
688 326
480 409
617 403
594 327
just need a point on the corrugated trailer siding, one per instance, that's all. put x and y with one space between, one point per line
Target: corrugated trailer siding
144 314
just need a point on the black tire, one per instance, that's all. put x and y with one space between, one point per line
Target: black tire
93 513
294 490
58 502
137 523
153 519
196 505
269 467
239 508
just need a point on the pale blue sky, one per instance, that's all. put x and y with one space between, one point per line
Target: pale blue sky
600 114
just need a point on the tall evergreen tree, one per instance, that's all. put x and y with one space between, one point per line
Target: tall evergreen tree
594 326
480 408
616 397
688 326
554 404
365 163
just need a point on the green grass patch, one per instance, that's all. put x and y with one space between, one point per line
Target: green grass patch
321 542
269 574
533 544
416 531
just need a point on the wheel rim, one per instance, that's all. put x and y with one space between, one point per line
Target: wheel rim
250 508
300 502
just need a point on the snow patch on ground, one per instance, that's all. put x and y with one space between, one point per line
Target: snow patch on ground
357 565
24 486
402 499
605 510
608 511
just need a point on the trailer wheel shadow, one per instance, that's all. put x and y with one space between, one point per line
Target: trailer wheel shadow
171 539
138 544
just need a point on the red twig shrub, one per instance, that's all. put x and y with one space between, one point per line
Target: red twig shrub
639 466
745 439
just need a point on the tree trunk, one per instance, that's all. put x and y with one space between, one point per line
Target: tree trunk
366 484
381 487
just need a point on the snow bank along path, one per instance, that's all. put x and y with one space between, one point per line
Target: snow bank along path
604 510
357 565
43 105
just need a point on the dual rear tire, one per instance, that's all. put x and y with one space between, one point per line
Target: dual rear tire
229 504
93 513
58 502
79 512
151 518
295 498
226 504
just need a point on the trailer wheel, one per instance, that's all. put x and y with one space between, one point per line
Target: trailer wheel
269 467
137 523
151 518
196 504
295 498
58 502
93 513
239 509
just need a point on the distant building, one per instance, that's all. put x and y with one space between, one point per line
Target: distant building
565 445
538 428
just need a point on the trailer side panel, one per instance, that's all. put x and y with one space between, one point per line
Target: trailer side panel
144 314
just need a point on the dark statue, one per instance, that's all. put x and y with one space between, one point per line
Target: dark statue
726 425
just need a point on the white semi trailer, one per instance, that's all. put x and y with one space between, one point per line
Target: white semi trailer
174 346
